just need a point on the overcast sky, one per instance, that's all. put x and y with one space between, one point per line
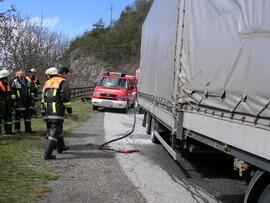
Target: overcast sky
69 16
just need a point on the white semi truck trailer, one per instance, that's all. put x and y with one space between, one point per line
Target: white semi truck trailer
205 80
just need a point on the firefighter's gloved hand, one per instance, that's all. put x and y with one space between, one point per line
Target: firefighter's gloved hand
69 110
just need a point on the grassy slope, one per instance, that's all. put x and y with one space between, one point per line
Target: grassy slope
23 172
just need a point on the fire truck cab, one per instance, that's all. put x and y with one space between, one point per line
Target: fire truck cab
115 90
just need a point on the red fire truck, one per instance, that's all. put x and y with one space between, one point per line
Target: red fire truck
115 90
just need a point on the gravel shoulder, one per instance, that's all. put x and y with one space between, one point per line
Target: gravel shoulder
88 174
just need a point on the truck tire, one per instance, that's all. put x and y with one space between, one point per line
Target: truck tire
265 196
140 110
153 128
95 107
148 123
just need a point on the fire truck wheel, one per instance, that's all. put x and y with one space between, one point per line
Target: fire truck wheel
125 110
132 105
95 107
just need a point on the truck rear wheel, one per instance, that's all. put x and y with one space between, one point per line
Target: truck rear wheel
95 107
265 196
148 123
153 128
141 111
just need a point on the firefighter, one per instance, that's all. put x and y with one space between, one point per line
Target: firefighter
56 100
21 99
5 102
64 72
35 85
43 105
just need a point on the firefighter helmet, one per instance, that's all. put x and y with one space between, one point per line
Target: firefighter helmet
47 72
4 73
52 71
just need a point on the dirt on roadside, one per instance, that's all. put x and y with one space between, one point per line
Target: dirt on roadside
88 174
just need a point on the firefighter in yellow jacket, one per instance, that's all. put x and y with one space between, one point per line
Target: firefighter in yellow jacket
56 101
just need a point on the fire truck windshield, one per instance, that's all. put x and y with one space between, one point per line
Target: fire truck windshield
113 82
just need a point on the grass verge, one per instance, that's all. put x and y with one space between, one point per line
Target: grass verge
23 171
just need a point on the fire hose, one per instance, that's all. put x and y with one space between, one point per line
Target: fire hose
101 147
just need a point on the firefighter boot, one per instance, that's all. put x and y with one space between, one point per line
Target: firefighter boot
17 126
61 145
8 128
17 123
50 146
28 128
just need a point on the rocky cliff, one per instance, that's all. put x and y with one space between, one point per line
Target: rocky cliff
84 71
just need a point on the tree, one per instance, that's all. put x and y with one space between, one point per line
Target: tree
7 20
25 45
34 46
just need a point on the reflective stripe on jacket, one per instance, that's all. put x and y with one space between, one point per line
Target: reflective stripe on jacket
5 98
35 85
4 88
21 92
56 95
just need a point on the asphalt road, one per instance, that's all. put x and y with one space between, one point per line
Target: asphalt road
150 175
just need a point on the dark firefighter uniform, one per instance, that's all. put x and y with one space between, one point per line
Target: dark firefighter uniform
56 100
22 98
5 105
43 112
35 85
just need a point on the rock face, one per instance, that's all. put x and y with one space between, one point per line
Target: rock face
85 71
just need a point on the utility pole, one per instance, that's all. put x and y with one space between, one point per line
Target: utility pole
111 16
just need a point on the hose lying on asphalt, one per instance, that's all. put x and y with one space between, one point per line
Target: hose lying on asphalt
101 147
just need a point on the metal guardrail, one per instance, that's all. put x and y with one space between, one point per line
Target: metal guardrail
76 92
80 92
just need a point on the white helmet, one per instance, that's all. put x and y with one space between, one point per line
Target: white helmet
33 70
52 71
47 72
4 73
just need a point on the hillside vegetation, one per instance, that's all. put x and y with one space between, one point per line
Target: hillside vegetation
115 45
